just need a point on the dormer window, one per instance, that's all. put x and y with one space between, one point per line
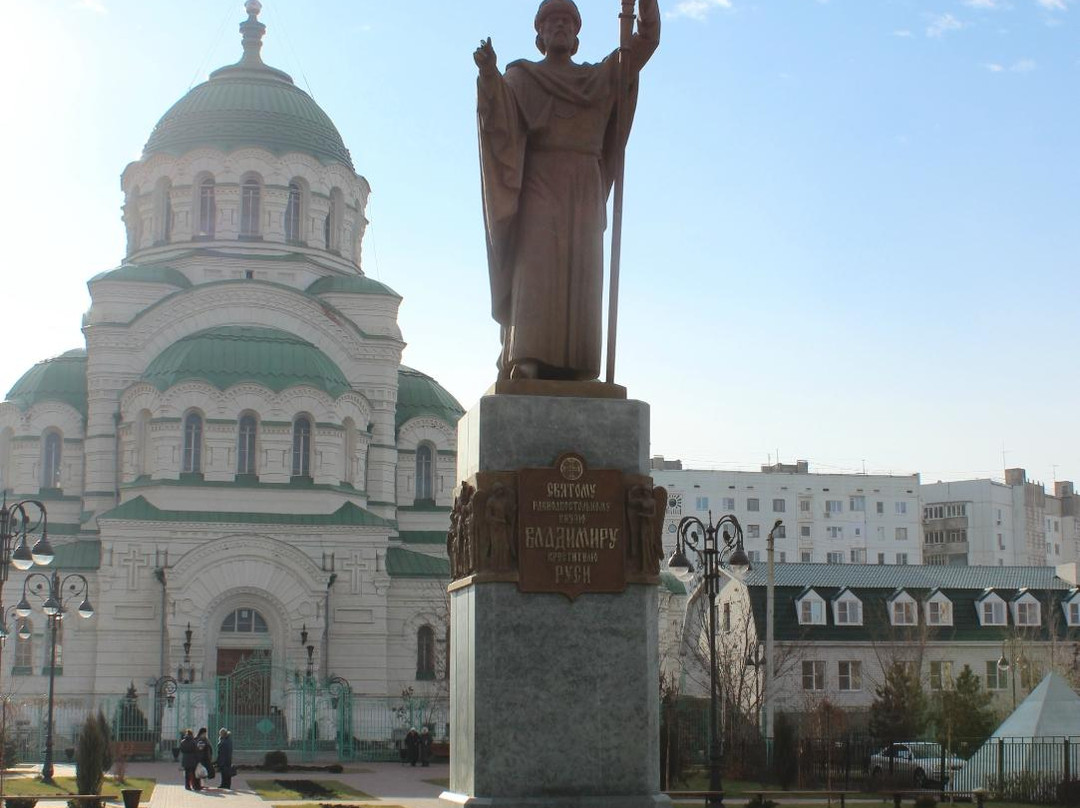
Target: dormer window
1026 610
991 610
811 609
939 610
847 609
1071 607
902 611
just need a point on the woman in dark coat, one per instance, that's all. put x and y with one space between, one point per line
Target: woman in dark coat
224 757
412 746
189 759
205 752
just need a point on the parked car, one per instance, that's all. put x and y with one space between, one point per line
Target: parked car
919 760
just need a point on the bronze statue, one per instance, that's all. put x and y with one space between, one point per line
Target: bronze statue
549 150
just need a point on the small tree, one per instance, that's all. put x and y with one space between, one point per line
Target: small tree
106 737
90 756
964 715
898 712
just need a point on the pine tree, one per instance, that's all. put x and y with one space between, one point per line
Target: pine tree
898 712
965 717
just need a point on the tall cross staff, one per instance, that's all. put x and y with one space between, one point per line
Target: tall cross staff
626 33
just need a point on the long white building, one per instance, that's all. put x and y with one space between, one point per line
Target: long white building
827 518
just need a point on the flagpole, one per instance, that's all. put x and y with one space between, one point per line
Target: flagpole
626 32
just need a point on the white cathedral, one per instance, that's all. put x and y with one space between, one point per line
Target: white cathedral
237 462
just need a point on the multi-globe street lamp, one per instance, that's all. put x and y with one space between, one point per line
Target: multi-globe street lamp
716 546
53 590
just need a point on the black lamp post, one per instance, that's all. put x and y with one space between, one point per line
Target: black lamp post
164 694
714 544
1004 666
53 591
310 651
186 673
22 521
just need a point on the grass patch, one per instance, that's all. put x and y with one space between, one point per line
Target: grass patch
283 789
32 786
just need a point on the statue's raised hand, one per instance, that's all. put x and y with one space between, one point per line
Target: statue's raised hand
485 57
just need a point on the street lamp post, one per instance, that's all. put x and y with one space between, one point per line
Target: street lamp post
1004 665
164 693
770 636
22 521
713 544
53 591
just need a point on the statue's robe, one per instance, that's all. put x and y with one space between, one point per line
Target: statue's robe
549 147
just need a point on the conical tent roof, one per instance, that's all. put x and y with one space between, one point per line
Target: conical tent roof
1032 747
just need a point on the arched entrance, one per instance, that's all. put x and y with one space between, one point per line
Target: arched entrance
246 700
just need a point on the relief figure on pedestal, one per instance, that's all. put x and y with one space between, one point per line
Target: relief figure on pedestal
549 150
500 514
459 538
644 509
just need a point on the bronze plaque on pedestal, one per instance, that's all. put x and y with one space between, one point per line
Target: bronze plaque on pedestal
571 529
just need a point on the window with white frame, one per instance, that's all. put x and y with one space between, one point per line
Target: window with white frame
729 503
1072 610
835 532
425 473
293 213
880 507
834 558
1026 611
52 455
849 675
250 196
702 503
858 555
753 504
941 675
780 532
811 608
992 611
939 611
813 674
301 449
192 454
847 610
902 610
754 556
24 645
753 531
804 531
996 678
857 504
806 556
834 506
245 445
901 534
779 505
805 505
901 507
902 559
880 558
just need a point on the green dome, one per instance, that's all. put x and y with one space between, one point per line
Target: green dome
230 355
249 104
154 273
350 284
419 394
62 378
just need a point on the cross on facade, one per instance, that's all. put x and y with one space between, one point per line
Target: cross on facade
355 566
134 561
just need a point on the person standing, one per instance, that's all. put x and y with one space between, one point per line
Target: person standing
224 757
205 754
412 746
189 759
549 150
425 746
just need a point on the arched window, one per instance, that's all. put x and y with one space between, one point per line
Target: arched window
51 459
24 645
425 653
193 431
245 445
142 443
293 213
301 447
348 450
332 227
6 483
250 193
164 210
326 226
244 621
425 472
207 208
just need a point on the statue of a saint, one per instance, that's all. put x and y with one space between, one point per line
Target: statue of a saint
549 147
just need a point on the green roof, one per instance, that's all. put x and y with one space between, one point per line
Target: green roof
62 378
348 515
140 273
423 536
229 355
77 555
875 586
419 394
244 105
350 284
401 563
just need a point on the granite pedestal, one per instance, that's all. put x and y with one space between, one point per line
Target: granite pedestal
554 702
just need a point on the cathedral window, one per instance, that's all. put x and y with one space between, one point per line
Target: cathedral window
301 463
425 488
245 448
348 450
5 459
51 459
24 646
250 193
332 227
244 621
425 653
207 208
193 432
164 210
142 444
293 213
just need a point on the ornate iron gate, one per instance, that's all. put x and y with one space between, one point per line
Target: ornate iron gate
247 704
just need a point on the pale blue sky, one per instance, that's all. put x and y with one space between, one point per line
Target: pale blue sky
852 227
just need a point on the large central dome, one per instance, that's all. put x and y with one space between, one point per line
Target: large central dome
249 104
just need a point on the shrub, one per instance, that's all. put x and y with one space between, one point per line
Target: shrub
276 761
90 756
20 802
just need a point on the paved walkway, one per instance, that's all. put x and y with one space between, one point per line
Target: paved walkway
387 783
